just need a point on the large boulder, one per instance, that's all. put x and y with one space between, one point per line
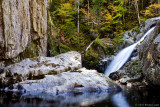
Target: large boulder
23 24
130 74
37 67
54 75
148 23
81 80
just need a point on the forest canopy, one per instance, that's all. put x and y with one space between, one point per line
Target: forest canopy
74 24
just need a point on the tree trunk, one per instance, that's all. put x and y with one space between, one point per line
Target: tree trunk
88 12
78 18
124 14
151 1
158 3
129 7
136 6
142 4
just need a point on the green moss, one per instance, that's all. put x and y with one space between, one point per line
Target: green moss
16 60
34 58
53 72
116 41
159 29
32 50
143 24
107 79
136 29
98 42
64 48
91 57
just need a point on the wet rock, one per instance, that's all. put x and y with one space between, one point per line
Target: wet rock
135 58
117 75
82 80
128 41
104 63
130 73
135 34
37 67
150 55
93 34
2 65
148 24
126 36
124 80
139 36
157 39
129 85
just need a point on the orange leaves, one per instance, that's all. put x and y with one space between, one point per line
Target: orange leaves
107 18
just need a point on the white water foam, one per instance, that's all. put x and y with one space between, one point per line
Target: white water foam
121 58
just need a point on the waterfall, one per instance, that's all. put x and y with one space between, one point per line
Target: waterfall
121 58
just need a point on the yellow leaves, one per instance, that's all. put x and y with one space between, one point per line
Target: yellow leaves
135 0
152 10
156 6
113 8
65 10
90 16
85 12
149 56
108 18
152 7
66 6
147 12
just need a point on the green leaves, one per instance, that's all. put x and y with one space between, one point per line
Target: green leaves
152 10
101 17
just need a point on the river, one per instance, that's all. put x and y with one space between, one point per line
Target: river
126 98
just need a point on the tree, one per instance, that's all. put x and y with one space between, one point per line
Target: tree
152 11
77 4
159 4
137 10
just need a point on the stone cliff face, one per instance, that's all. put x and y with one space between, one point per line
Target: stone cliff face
23 25
149 53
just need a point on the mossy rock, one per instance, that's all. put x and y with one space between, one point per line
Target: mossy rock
136 29
32 50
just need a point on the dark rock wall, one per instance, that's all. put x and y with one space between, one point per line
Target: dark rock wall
149 52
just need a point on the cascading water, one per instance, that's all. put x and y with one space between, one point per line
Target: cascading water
121 58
